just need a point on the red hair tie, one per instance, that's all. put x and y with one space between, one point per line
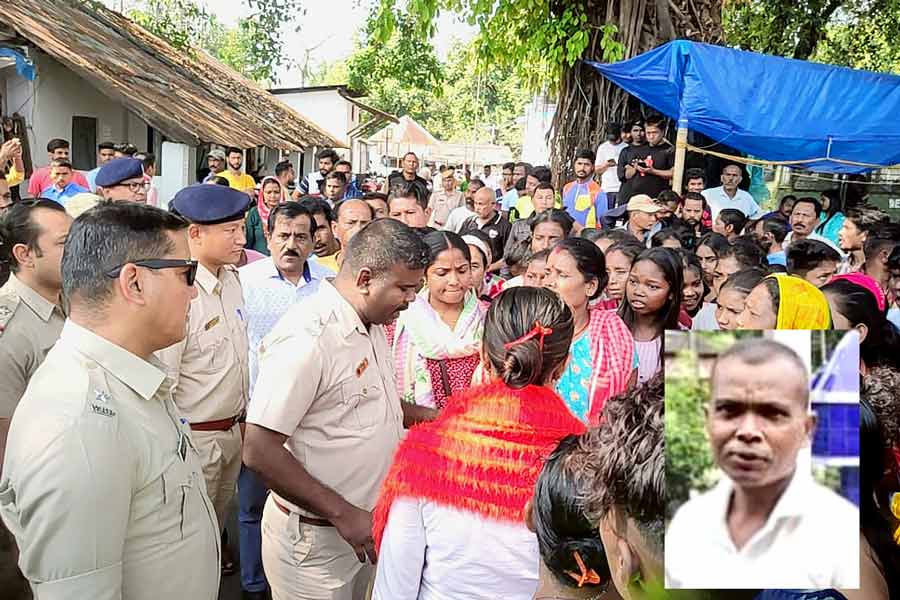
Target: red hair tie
587 575
538 331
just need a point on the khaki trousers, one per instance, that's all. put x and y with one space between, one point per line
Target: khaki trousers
220 455
308 562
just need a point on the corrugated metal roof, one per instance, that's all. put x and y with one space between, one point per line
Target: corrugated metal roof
190 97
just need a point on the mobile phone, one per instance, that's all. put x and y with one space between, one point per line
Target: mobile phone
642 164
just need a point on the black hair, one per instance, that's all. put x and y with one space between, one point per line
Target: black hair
347 163
327 153
881 236
542 174
716 242
805 255
658 121
375 196
514 313
588 259
383 244
336 175
441 241
745 280
508 165
771 285
560 523
696 197
233 150
336 211
694 174
874 526
690 262
61 162
283 167
834 207
746 251
17 226
318 206
586 153
416 156
57 144
866 218
667 196
554 215
521 184
476 182
291 210
539 256
817 205
408 190
859 306
518 253
668 261
778 227
629 246
616 235
107 236
592 234
545 186
527 166
149 160
100 146
219 180
662 235
733 217
784 199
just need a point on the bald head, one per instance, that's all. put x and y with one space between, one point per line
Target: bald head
768 355
485 203
349 217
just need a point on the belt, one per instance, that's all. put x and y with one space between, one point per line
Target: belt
220 425
303 518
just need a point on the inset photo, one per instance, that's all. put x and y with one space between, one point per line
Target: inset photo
762 459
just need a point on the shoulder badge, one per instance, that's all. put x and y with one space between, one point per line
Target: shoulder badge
8 305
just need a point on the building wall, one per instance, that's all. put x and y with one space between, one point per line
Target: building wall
50 101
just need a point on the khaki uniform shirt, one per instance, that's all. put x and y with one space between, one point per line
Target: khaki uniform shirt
441 203
327 383
29 326
101 484
210 366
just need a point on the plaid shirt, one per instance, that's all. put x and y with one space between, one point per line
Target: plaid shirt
612 358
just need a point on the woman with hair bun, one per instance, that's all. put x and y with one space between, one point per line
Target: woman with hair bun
603 361
573 562
449 522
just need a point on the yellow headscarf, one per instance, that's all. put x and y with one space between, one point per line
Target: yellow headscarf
801 304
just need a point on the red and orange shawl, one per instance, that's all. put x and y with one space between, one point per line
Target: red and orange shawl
482 454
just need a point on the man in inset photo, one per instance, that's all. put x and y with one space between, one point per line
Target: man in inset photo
767 523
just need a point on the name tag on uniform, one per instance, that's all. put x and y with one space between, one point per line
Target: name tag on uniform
212 323
362 367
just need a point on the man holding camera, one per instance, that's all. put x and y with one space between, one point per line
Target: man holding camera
646 168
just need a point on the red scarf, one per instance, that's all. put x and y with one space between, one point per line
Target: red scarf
482 454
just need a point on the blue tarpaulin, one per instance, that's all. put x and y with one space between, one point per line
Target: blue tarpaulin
773 108
24 67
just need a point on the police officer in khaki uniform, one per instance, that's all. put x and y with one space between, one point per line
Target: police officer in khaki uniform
326 387
209 367
32 234
102 485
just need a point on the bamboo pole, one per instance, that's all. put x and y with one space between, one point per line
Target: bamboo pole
680 151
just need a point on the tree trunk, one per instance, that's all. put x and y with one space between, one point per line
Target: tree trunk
586 101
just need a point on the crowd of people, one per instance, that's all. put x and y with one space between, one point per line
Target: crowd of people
449 387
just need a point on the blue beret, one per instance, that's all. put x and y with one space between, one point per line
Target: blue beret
118 170
208 203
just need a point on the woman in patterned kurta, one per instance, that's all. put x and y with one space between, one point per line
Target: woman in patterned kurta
602 359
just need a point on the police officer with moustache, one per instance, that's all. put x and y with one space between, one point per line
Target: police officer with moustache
209 367
102 485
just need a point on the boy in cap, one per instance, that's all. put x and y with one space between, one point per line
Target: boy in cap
122 180
642 211
209 369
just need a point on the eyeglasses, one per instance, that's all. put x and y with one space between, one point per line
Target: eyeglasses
160 263
135 187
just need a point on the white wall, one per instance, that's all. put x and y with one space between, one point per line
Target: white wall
50 101
326 108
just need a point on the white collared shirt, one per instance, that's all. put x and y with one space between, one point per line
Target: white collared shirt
810 541
743 201
267 296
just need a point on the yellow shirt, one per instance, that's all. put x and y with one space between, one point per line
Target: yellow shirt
241 182
329 262
14 177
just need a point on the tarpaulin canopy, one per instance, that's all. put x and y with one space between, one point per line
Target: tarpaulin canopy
821 117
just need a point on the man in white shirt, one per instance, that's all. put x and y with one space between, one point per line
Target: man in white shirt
489 180
606 161
804 220
728 195
767 524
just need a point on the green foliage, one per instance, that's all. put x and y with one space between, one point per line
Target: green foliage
252 48
863 34
688 457
536 40
458 101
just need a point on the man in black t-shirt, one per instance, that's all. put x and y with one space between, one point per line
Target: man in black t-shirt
646 169
488 220
408 175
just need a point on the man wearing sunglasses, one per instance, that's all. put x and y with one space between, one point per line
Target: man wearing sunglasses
102 484
210 367
123 180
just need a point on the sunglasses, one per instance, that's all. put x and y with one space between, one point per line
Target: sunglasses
161 263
